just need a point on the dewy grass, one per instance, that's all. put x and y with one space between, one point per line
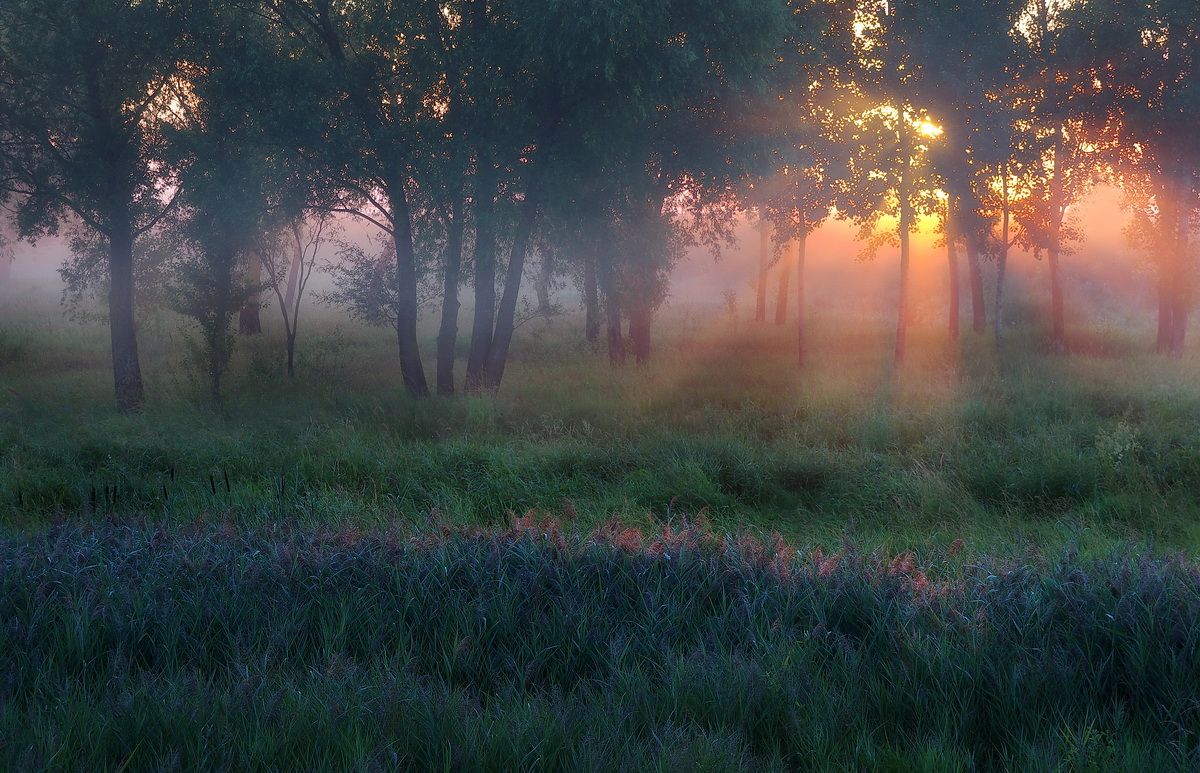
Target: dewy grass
535 646
1001 450
322 573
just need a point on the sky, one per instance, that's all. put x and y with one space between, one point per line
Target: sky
1105 277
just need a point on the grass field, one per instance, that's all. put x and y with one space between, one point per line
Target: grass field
1099 447
980 561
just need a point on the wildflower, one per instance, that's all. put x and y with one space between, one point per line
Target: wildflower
750 549
956 547
628 540
902 564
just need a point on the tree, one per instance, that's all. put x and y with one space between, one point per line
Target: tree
373 70
1056 132
664 81
85 89
7 252
1145 62
765 254
813 165
807 197
290 258
235 186
964 56
890 175
796 161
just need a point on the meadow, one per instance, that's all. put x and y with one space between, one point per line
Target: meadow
1098 447
986 560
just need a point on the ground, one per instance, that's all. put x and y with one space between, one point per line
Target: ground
984 560
1099 447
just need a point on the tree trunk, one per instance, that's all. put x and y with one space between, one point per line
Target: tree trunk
411 368
801 248
591 300
297 267
1162 343
485 273
952 264
545 274
905 228
5 268
1002 261
1166 269
978 308
639 332
127 371
612 308
781 302
1058 339
764 265
1058 336
249 318
1179 323
291 355
451 273
497 357
1181 285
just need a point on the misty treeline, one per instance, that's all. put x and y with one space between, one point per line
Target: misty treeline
201 152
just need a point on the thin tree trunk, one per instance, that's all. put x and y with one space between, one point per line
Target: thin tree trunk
297 267
289 309
1162 343
978 307
639 332
1058 340
506 313
1166 271
411 368
1180 319
612 308
5 269
764 264
1181 294
545 274
127 371
591 300
250 318
905 228
1058 324
485 273
1002 260
447 340
952 265
801 348
223 263
781 302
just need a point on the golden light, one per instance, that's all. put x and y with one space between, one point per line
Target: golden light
929 129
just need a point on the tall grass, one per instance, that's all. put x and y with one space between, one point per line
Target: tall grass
538 647
1102 446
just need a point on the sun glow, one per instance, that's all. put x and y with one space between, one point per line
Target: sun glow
929 129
